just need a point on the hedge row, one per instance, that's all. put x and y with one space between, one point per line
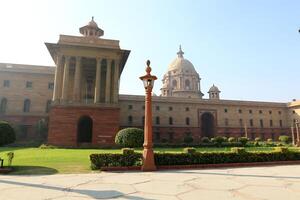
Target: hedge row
237 156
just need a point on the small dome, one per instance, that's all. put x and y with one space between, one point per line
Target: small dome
214 89
181 64
92 23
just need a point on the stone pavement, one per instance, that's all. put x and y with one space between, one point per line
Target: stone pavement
279 182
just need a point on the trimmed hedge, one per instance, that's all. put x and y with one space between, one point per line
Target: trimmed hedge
7 133
239 155
130 137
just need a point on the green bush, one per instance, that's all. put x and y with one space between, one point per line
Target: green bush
281 149
189 150
231 139
127 151
130 137
257 139
188 139
205 140
269 140
285 139
238 150
219 140
243 140
115 160
7 133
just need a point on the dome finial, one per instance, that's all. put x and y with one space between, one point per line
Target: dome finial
92 18
180 52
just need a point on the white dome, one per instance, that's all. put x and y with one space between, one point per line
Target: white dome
214 89
181 64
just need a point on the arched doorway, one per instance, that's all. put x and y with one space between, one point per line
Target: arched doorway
207 125
84 129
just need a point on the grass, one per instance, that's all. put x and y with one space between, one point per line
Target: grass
50 161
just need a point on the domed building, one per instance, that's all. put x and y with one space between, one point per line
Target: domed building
181 79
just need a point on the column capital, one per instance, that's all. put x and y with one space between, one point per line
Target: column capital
67 58
78 58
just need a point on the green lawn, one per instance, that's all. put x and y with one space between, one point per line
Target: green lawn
50 161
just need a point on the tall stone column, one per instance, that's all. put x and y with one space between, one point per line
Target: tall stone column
66 79
108 81
77 80
116 81
98 81
57 79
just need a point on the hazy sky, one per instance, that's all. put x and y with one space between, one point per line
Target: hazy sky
249 49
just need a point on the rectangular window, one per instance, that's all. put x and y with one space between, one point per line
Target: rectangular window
226 122
271 123
50 86
240 111
241 122
279 112
260 112
187 109
250 111
157 136
170 120
261 122
270 112
251 122
130 107
6 83
157 108
157 120
170 108
225 110
280 123
28 84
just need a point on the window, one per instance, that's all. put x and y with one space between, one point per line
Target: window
6 83
187 84
28 84
26 107
187 109
271 123
294 112
3 105
273 136
261 122
171 136
252 136
130 107
170 120
157 120
260 111
157 108
225 110
241 122
226 122
251 122
280 123
240 111
170 108
130 119
48 106
279 112
250 111
50 86
270 112
187 121
157 136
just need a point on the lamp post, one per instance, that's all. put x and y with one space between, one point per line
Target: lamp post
148 155
297 131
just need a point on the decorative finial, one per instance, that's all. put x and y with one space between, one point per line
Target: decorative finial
148 68
92 18
180 52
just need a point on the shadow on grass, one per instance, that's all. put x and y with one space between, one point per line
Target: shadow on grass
32 170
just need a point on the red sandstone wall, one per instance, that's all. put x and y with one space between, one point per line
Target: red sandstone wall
63 125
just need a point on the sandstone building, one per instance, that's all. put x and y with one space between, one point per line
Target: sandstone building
81 97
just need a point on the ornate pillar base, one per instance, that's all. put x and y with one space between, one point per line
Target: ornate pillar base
148 160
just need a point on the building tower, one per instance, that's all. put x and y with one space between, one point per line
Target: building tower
214 93
181 79
86 88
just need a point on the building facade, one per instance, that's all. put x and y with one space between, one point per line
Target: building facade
80 95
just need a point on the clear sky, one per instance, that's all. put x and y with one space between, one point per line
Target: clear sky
249 49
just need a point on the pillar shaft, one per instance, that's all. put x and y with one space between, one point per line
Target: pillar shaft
108 81
116 81
57 79
77 80
98 81
66 79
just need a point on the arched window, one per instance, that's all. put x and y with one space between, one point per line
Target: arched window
3 105
26 107
129 119
170 120
187 121
48 106
174 84
187 84
157 120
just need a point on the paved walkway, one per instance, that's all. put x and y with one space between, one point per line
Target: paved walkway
280 182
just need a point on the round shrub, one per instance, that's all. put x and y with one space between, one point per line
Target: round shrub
7 133
188 139
231 139
285 139
130 137
205 140
269 140
257 139
243 140
219 140
238 150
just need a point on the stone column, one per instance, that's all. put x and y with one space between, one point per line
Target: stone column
116 81
98 81
77 80
57 79
108 81
66 79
